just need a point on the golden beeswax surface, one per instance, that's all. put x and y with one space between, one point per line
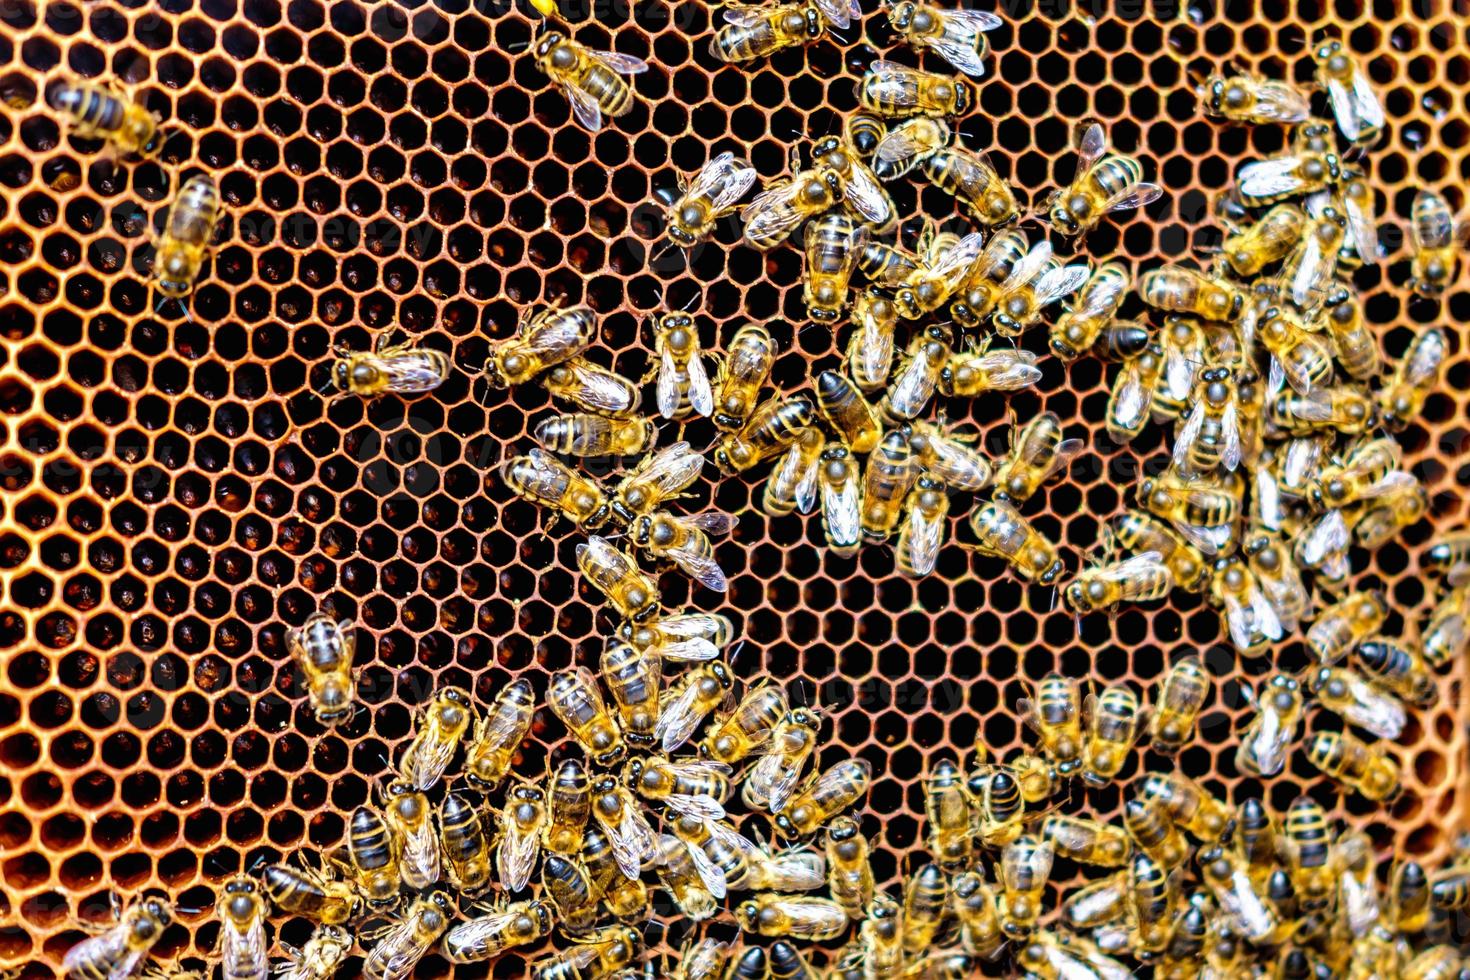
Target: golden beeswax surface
176 495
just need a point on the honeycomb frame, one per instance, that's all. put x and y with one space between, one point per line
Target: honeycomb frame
176 494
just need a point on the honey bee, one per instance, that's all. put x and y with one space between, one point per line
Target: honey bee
1414 377
925 901
681 878
928 355
1248 912
574 698
1141 533
842 503
1248 615
896 91
309 893
758 32
1035 282
849 869
591 387
683 387
963 173
796 916
242 942
1037 453
704 960
1102 184
861 192
947 807
949 459
600 954
503 926
621 818
1149 825
1347 410
1441 962
592 80
1306 847
1177 289
542 479
1087 841
800 868
634 676
123 949
1097 903
1437 244
824 797
1005 534
721 857
1408 897
968 373
1001 811
748 727
1382 519
1142 578
1340 627
1358 701
1152 896
521 825
1367 769
1114 721
318 959
106 112
544 338
1122 340
323 649
498 733
626 898
1205 511
698 788
922 533
1132 394
976 908
957 36
1054 713
1078 329
628 590
372 851
887 264
774 425
1309 270
569 804
1188 804
778 773
1255 840
1211 435
1269 240
743 371
689 702
880 939
945 263
464 845
588 435
1370 471
1182 693
684 540
188 232
1254 99
776 212
1355 105
793 482
1399 668
869 355
1353 342
1025 866
833 242
442 723
1268 736
1446 630
709 197
1303 171
878 504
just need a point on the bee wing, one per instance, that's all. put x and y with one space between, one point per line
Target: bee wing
516 856
1355 105
867 196
702 568
769 214
960 257
722 181
412 372
1067 450
961 46
739 183
925 535
1145 562
711 522
1327 536
632 840
481 932
1029 266
108 946
876 350
1211 539
420 857
1178 373
704 807
1230 452
1377 711
838 12
704 626
959 466
799 870
1393 483
394 956
842 506
745 16
1281 102
710 873
763 775
584 107
623 64
678 720
428 762
1091 144
912 389
1362 226
1134 196
1270 178
898 151
1425 357
701 397
1313 265
806 482
1267 496
688 651
1130 402
1237 622
1263 614
1269 744
1189 434
670 470
668 384
600 390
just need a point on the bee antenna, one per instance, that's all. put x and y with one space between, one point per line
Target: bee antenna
689 305
735 654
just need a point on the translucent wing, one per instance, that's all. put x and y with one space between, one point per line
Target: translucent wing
1362 225
1029 266
1210 539
961 256
1178 374
428 761
412 373
1103 293
702 568
1327 536
1009 372
958 466
973 21
678 719
701 397
840 14
482 933
1282 103
1056 283
1269 744
722 181
109 946
912 389
1425 357
898 151
925 535
516 856
960 47
1374 710
1230 451
1270 178
244 950
711 522
876 351
1263 615
842 506
668 385
757 791
1267 497
1136 196
1189 434
599 390
745 16
1355 105
623 64
704 626
689 651
668 471
420 861
1130 402
769 216
866 196
786 473
632 840
395 954
1392 483
710 873
1307 277
704 807
1067 450
1091 144
798 870
584 107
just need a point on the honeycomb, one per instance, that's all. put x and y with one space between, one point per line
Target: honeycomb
176 494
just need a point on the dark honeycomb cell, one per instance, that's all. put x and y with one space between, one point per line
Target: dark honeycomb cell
176 493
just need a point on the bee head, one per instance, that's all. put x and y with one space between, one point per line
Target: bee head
548 41
677 231
1074 595
1062 218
